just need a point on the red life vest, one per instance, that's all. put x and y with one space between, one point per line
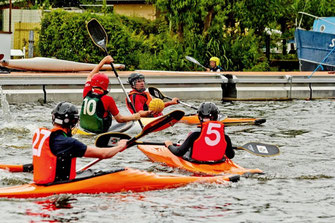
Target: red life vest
44 161
211 144
132 96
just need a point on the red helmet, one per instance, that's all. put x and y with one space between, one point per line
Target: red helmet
100 80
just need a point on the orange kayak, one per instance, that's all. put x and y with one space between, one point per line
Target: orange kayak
162 154
193 120
111 182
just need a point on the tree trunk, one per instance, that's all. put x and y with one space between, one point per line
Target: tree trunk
208 21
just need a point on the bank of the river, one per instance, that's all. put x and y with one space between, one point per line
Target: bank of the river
21 87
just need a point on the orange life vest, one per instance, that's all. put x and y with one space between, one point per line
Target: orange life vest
132 96
44 161
211 144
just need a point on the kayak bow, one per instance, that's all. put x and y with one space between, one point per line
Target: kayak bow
162 154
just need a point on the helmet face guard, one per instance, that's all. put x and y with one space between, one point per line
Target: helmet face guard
134 77
208 110
65 114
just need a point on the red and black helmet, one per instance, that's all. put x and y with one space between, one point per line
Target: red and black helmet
208 110
100 80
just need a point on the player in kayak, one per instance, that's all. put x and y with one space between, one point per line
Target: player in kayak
141 98
55 151
97 107
214 65
209 144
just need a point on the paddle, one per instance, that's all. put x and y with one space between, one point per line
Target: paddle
258 149
156 93
1 56
195 61
154 126
99 37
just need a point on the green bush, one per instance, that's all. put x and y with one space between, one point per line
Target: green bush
143 44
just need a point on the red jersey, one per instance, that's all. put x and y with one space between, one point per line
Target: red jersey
108 101
211 144
140 100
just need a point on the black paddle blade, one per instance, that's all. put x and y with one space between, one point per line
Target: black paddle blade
261 149
97 34
156 93
110 139
162 123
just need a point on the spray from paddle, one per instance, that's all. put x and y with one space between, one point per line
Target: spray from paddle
5 107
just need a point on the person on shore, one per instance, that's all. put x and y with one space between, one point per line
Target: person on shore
209 144
214 65
55 151
140 98
98 108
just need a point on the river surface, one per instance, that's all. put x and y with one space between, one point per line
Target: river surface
298 185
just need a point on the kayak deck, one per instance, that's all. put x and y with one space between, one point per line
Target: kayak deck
163 155
116 127
119 181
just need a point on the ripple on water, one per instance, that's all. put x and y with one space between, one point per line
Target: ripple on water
298 185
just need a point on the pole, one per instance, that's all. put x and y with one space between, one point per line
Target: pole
31 44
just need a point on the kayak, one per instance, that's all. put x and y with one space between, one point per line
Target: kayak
116 127
134 127
123 180
52 64
193 120
162 154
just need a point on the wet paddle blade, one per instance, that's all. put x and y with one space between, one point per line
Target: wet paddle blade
97 34
110 139
260 149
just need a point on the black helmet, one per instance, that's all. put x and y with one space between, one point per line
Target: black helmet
134 77
65 114
208 110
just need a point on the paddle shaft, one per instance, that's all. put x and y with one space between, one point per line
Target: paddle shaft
156 125
193 60
97 31
129 143
258 149
162 96
163 144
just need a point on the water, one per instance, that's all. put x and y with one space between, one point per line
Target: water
298 185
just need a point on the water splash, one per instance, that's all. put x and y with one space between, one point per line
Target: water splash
5 107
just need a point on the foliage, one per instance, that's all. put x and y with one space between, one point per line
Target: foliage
233 30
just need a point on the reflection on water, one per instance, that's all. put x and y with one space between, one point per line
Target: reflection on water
50 209
298 185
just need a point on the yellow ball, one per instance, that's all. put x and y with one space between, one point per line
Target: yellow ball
156 105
